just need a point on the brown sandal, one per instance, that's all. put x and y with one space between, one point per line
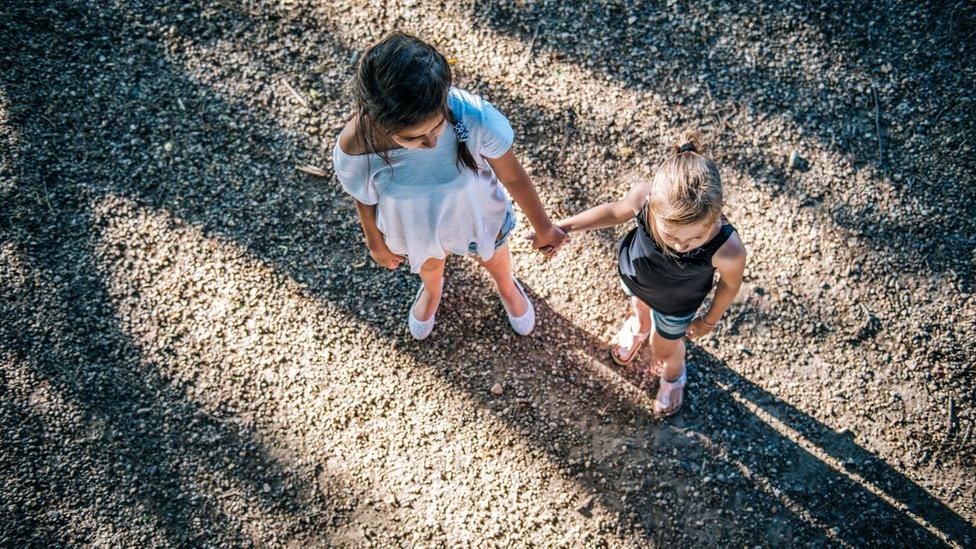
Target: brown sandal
625 347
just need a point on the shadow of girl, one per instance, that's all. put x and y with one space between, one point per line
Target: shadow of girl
718 469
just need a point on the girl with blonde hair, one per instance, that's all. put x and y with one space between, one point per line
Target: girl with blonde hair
667 262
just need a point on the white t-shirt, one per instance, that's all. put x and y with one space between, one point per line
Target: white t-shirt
426 206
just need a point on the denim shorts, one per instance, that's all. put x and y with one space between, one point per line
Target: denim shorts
667 326
507 225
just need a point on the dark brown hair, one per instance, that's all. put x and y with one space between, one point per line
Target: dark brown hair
402 81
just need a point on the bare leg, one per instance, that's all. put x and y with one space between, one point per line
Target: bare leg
629 340
669 357
643 313
500 269
432 276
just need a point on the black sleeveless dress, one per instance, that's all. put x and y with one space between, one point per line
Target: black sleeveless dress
673 285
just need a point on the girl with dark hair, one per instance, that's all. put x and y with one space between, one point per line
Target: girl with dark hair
428 166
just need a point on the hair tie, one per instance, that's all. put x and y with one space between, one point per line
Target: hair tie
461 132
687 147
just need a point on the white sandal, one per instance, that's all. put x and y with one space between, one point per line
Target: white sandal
626 337
419 329
664 391
525 323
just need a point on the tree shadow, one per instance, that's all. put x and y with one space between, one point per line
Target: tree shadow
640 468
694 477
638 44
132 432
131 454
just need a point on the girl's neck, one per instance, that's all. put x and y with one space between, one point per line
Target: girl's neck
381 141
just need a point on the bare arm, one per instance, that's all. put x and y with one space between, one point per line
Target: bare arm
374 238
610 213
730 261
598 217
367 220
519 185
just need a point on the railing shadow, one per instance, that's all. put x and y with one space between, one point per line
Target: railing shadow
128 430
651 473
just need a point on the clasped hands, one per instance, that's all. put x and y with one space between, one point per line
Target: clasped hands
548 241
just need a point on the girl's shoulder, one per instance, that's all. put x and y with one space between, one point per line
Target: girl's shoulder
349 141
491 133
464 99
350 156
731 254
470 107
636 195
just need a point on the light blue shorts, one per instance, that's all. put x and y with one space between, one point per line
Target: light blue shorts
507 225
667 326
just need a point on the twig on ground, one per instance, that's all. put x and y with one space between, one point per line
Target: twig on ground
950 418
643 383
637 491
723 121
942 111
46 199
209 416
877 127
297 95
312 170
528 54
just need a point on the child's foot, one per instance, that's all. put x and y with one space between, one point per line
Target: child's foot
420 316
670 395
521 314
628 341
515 303
424 307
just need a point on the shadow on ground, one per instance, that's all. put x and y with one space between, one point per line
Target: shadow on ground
145 433
853 42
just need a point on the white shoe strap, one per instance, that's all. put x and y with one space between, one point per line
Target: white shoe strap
667 387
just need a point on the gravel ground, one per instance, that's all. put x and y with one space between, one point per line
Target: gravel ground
196 349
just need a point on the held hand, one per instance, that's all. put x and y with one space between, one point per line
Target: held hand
697 329
383 257
549 241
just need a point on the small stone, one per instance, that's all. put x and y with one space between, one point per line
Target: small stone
586 507
797 162
497 389
168 146
266 488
